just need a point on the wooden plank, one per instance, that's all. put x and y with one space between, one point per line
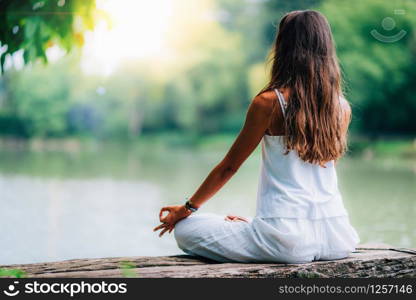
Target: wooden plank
366 261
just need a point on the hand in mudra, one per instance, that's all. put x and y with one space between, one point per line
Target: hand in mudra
175 214
235 218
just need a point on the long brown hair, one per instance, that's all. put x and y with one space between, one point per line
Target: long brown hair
305 62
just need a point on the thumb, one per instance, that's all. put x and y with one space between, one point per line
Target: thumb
161 217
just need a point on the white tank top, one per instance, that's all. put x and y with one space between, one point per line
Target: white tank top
292 188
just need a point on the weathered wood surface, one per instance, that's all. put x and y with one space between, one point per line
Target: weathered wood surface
366 261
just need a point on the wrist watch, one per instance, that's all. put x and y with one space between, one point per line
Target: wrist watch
189 206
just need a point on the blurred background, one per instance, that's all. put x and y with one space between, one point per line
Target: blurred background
110 110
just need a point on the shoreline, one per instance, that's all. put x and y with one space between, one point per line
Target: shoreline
393 146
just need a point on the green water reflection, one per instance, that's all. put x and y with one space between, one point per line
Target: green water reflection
103 199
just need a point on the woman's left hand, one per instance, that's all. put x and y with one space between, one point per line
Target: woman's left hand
175 214
235 218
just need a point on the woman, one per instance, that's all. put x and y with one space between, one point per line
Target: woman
301 120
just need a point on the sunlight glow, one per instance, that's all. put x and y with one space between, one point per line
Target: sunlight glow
139 29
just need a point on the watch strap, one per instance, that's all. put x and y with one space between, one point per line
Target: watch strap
189 206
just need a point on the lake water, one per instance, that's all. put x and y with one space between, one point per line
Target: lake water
104 201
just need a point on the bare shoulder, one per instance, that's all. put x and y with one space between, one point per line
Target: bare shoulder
264 102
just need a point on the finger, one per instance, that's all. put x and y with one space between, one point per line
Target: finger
166 219
242 219
170 230
165 208
163 231
161 217
159 227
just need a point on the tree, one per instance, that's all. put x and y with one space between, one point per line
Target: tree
380 75
32 26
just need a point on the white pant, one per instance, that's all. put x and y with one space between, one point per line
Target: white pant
284 240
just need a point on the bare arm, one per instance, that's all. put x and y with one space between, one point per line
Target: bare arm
255 125
346 118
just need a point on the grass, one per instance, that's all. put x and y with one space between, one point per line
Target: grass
127 269
17 273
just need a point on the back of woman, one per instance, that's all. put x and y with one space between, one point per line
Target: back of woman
293 188
300 119
299 204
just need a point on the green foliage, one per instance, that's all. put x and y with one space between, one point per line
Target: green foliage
37 100
17 273
209 87
128 269
41 108
32 26
209 97
380 76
